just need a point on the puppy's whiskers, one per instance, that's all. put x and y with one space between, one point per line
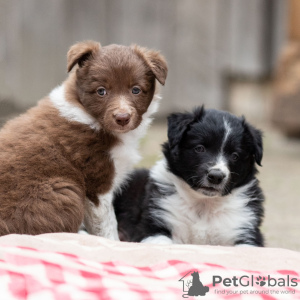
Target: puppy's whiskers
227 189
234 173
200 183
191 178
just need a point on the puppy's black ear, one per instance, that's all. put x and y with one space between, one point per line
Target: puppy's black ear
179 123
81 52
198 113
155 61
256 136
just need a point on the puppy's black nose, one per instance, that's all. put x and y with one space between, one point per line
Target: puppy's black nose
215 176
122 119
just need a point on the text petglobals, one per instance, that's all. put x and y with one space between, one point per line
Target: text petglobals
254 281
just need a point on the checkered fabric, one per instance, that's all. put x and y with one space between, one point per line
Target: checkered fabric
27 273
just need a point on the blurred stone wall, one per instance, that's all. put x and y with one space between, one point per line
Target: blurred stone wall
205 42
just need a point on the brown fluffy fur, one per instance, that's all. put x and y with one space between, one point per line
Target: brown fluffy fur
50 165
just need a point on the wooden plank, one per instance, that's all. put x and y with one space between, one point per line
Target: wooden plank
248 38
195 53
279 30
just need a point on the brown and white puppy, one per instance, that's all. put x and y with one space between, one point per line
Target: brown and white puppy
62 160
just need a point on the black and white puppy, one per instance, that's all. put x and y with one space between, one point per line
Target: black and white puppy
204 191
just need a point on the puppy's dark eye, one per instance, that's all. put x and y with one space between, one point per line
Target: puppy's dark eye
101 91
136 90
234 156
199 149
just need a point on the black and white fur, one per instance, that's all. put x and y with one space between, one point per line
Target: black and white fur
204 191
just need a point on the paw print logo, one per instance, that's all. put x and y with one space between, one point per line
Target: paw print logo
260 281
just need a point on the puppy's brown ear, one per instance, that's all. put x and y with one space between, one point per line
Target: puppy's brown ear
80 52
155 61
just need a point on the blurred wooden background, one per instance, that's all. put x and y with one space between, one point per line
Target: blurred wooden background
294 20
207 43
286 95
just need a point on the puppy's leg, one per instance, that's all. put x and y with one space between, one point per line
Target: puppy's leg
101 220
157 239
251 238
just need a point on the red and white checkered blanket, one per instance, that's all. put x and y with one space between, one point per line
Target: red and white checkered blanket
27 273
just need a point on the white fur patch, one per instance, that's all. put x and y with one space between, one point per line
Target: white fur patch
222 166
221 163
227 133
70 111
125 155
102 220
194 218
157 239
123 105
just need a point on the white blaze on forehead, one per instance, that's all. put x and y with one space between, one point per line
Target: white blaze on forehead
221 163
123 105
227 133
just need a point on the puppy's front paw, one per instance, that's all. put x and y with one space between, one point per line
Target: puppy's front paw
244 245
157 239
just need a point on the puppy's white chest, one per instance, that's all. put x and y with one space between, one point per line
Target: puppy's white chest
214 223
205 230
125 156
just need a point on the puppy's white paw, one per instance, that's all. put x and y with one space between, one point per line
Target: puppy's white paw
83 232
244 245
157 239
